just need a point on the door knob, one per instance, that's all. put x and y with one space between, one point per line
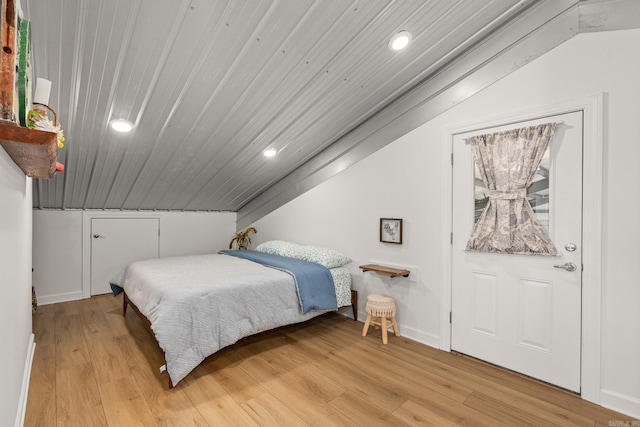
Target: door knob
569 266
97 236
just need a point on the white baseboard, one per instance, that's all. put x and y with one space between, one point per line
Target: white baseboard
56 298
24 392
619 402
422 337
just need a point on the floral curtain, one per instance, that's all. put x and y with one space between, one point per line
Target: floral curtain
507 162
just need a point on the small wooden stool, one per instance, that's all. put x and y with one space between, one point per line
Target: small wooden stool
379 309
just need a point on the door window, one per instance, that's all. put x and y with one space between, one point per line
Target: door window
537 193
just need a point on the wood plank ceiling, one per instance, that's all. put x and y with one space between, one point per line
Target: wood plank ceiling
211 84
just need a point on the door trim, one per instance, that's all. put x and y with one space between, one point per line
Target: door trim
593 116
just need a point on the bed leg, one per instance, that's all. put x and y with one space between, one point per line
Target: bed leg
163 369
124 304
354 304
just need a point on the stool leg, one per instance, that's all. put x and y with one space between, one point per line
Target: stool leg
376 322
366 325
395 326
384 330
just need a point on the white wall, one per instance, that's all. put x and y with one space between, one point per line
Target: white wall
61 267
405 180
57 255
15 287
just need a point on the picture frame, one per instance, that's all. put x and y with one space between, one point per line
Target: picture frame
391 230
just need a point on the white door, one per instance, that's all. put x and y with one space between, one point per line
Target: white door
116 242
523 312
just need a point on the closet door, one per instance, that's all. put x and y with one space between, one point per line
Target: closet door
116 242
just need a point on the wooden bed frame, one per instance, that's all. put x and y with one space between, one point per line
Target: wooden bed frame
127 302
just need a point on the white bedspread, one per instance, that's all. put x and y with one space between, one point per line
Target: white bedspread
200 304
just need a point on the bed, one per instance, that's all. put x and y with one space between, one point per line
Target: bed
197 305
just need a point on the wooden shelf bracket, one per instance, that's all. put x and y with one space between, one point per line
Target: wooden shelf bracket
34 151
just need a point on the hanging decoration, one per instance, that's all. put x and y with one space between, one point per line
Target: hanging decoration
38 118
507 163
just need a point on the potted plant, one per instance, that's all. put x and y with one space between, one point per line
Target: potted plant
242 238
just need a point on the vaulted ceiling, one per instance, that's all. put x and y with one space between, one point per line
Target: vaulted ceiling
209 85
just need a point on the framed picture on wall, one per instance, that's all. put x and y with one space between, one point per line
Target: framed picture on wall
391 230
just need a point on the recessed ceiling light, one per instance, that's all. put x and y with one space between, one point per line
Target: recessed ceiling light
270 152
400 40
121 125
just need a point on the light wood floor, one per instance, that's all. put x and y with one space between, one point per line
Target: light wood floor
92 367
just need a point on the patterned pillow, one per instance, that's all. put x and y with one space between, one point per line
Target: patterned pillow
324 256
320 255
279 247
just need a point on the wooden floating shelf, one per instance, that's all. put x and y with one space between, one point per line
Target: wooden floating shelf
387 271
34 151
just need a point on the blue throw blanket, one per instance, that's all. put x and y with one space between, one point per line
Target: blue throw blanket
316 290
